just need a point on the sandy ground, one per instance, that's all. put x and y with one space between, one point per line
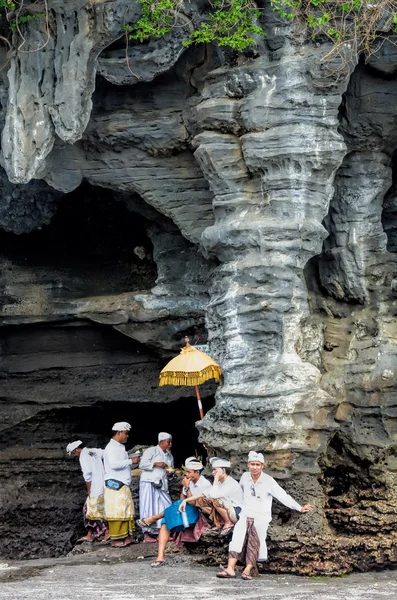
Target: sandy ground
130 577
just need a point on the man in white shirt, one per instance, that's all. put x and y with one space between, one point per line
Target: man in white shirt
248 543
119 507
193 483
223 501
93 472
153 485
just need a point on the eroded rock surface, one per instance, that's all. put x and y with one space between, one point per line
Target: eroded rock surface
249 197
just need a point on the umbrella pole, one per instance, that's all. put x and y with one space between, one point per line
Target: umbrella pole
199 402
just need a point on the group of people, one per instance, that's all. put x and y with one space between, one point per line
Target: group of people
241 509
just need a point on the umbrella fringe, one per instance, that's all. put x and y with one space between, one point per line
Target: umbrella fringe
195 378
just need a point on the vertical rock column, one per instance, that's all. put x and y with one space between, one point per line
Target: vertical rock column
272 187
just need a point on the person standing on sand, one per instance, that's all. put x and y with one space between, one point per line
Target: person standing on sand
248 543
93 472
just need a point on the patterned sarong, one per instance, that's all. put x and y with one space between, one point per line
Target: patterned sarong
214 516
250 551
95 508
96 526
119 512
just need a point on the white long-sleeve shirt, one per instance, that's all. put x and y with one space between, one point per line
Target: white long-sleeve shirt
258 497
229 490
116 462
92 468
150 473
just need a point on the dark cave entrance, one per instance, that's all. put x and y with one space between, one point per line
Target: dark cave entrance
93 245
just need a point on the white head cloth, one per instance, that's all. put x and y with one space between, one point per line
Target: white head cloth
256 456
220 462
121 426
163 435
193 463
72 446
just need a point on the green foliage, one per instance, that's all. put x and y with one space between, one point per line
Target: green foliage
20 17
230 23
234 23
359 23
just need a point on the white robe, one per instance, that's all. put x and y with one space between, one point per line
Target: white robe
257 504
156 474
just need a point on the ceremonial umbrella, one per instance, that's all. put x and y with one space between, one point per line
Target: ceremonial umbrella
190 367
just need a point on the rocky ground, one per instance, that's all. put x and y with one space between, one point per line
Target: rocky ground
127 573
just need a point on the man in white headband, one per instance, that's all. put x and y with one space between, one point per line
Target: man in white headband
93 472
193 482
223 501
248 543
119 507
153 486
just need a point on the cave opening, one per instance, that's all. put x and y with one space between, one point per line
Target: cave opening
92 245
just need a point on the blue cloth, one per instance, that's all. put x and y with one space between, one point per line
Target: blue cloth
173 518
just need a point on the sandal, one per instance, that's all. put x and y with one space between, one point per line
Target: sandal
226 530
142 523
225 575
157 563
245 576
84 539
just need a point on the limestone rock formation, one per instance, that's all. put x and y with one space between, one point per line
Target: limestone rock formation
151 191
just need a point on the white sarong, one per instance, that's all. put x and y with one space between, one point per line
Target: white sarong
152 501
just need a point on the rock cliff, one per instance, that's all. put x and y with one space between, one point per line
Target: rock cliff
150 191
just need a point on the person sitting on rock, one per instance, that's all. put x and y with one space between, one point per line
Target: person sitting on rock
188 527
93 472
248 544
223 501
193 483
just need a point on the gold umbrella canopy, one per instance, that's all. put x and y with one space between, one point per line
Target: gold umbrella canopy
190 367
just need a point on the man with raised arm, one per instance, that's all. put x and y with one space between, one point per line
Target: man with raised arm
248 543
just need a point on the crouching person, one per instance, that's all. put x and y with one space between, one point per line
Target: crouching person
248 543
223 501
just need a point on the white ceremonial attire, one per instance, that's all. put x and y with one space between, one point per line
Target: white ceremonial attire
201 485
155 474
118 503
92 468
228 490
93 471
116 462
152 500
257 504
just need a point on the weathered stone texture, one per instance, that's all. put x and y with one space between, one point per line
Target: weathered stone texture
255 200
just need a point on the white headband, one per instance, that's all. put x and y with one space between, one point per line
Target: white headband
121 426
72 446
193 463
220 462
164 436
256 456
